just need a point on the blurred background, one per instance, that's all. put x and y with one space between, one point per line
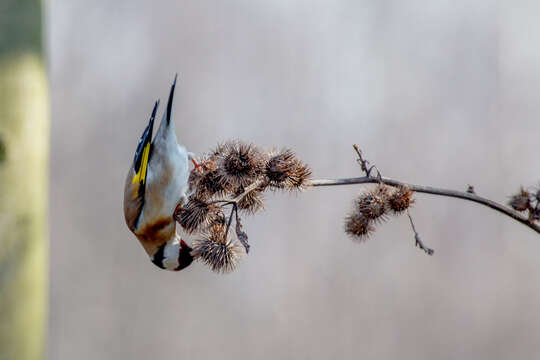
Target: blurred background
442 93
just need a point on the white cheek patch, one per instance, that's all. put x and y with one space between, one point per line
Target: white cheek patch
170 254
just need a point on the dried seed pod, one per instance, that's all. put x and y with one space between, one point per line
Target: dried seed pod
520 201
299 178
206 164
373 205
400 199
358 227
219 150
211 183
279 166
252 201
196 213
218 251
284 170
239 163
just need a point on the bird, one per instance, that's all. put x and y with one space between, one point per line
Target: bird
156 185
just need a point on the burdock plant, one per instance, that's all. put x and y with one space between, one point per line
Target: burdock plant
236 175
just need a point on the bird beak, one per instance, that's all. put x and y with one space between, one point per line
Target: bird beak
184 245
142 155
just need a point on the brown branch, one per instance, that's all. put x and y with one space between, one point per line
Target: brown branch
235 200
434 191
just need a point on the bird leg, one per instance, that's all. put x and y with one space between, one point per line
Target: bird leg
200 166
177 208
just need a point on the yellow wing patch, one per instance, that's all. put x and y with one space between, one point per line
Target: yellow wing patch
140 176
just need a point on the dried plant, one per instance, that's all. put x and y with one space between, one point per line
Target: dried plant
237 175
375 206
527 201
400 199
252 201
284 170
197 212
211 183
520 201
239 164
217 249
234 174
358 226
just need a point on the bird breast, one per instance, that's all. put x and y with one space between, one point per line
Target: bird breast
167 183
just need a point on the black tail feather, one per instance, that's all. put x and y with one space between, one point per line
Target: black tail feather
170 101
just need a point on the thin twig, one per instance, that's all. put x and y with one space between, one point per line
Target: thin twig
241 235
235 200
365 163
233 209
418 242
434 191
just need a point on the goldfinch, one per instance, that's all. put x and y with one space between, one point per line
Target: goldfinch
156 183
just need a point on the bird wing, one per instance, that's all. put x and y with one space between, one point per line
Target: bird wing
137 174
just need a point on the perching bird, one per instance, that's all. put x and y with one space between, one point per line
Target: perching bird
156 184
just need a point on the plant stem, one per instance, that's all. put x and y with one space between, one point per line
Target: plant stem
434 191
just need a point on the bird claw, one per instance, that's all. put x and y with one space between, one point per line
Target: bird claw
198 166
178 207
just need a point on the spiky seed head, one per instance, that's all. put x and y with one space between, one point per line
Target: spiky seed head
211 183
358 226
239 163
284 170
207 163
197 212
382 189
400 199
219 150
206 180
279 166
373 205
300 177
218 251
520 201
252 201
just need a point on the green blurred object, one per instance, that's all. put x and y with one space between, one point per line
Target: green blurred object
24 153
